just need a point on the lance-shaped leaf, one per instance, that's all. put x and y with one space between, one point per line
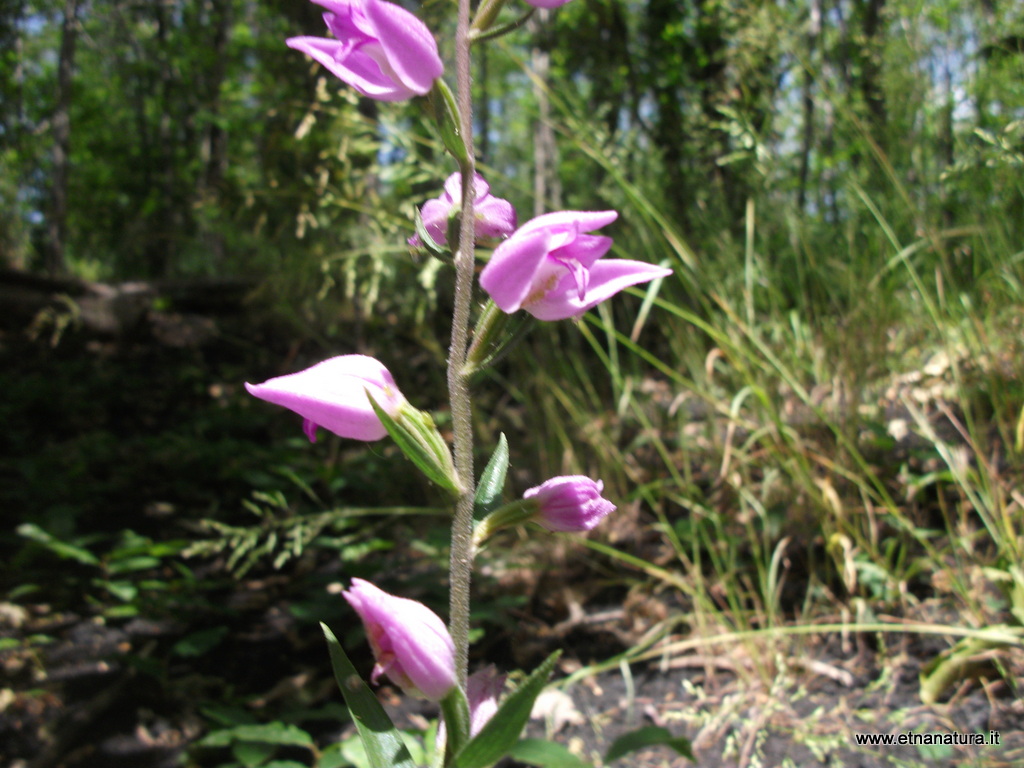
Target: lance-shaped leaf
424 239
502 731
384 745
651 736
546 754
492 481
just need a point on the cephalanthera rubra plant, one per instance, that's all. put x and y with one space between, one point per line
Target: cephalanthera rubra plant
552 268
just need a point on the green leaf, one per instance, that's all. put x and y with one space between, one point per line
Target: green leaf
492 481
332 757
546 754
226 715
651 736
198 643
252 753
122 590
277 733
486 32
502 731
970 657
495 334
129 564
382 740
60 548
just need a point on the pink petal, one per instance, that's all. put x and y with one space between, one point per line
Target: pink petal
606 279
586 249
415 645
509 275
583 221
356 69
435 219
495 217
410 48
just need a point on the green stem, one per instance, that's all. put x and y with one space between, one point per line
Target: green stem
461 559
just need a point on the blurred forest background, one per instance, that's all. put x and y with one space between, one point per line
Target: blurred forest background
817 418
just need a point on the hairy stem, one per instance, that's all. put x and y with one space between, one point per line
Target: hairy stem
461 562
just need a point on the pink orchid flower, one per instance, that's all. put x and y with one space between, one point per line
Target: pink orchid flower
409 641
495 217
380 49
572 503
550 267
332 395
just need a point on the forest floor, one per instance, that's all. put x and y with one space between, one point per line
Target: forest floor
86 686
91 698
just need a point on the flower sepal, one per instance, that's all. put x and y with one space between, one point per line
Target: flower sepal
415 433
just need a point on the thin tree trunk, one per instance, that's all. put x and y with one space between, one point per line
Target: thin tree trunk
214 142
813 31
55 260
871 69
547 189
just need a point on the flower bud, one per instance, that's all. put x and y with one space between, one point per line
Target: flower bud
332 395
409 641
483 688
495 217
569 504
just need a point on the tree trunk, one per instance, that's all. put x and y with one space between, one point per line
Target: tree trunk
547 191
871 69
56 226
213 148
813 31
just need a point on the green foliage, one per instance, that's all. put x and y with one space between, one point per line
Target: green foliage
546 754
502 731
492 481
650 736
380 738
